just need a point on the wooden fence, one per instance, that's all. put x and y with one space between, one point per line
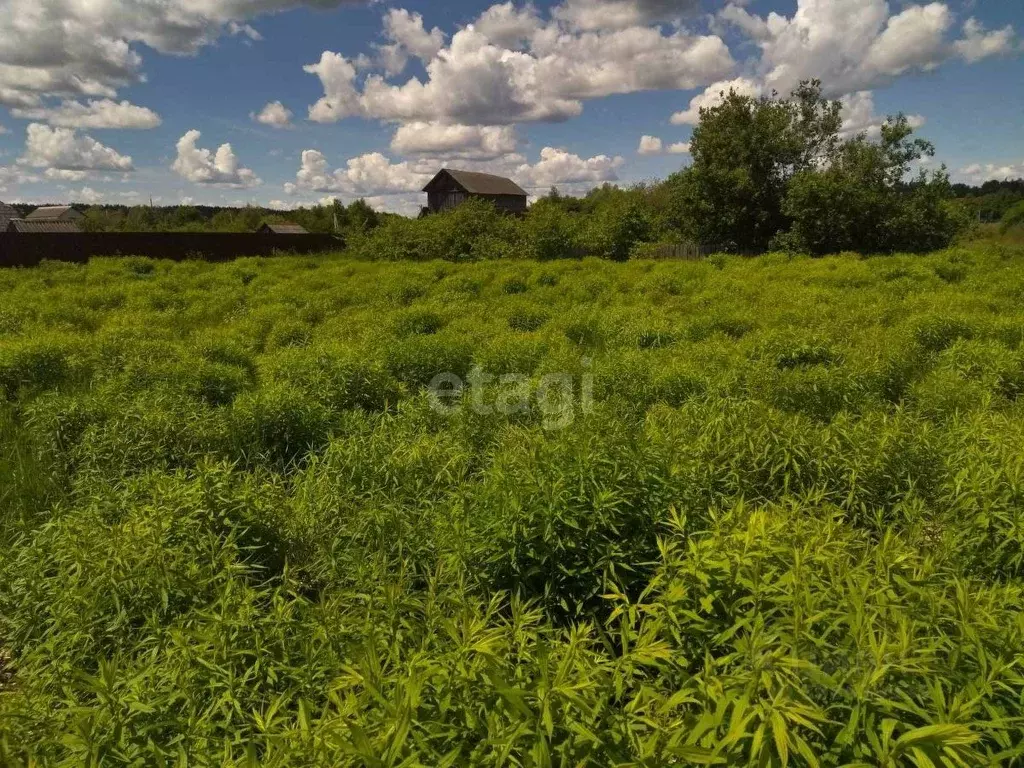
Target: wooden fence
28 250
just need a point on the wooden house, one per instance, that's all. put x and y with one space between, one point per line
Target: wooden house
450 188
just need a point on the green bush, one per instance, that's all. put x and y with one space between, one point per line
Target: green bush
527 319
417 360
551 231
333 376
279 423
936 333
37 365
1014 217
561 518
859 201
762 514
470 232
418 321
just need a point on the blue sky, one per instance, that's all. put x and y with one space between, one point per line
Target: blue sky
123 100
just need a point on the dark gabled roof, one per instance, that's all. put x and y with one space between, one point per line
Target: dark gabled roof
49 212
479 183
6 214
39 226
285 229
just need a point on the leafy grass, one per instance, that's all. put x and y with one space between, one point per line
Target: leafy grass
789 530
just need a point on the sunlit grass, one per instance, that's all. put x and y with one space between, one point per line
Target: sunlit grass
789 530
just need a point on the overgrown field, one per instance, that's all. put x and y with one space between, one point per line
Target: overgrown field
735 512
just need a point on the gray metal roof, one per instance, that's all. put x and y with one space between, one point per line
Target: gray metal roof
42 225
480 183
49 212
285 229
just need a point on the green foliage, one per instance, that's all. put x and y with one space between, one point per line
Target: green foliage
744 153
773 172
351 221
780 523
473 231
859 202
551 231
989 202
620 231
607 223
1014 217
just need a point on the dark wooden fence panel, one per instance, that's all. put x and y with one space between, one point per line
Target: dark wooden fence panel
27 250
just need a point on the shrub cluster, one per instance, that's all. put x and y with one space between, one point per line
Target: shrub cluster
610 223
779 518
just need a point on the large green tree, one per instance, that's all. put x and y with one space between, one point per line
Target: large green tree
861 200
745 151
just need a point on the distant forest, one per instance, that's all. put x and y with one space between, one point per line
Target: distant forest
988 203
202 218
992 199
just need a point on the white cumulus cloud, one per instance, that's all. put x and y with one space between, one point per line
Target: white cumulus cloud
282 205
859 116
74 48
86 195
559 166
60 174
516 67
507 25
619 14
408 37
482 142
341 96
275 114
979 173
366 175
13 175
203 166
650 145
851 45
96 113
374 175
977 44
64 149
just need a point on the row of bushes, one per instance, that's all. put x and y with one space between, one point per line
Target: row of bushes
476 230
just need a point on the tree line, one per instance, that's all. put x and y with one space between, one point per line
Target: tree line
990 202
343 219
768 173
